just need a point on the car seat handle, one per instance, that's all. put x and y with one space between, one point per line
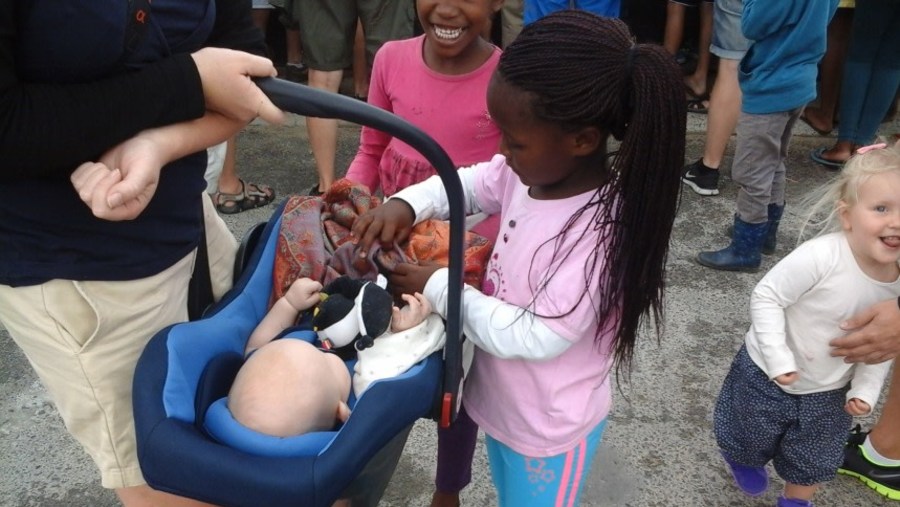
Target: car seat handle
306 101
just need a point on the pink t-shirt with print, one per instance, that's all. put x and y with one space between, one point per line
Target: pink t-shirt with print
540 408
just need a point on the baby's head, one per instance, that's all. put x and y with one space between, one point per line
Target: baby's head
288 387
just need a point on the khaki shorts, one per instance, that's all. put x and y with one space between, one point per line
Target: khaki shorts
83 340
328 28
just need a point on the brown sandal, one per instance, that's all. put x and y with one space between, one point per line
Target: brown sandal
251 196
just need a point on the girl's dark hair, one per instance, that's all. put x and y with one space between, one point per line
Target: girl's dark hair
584 70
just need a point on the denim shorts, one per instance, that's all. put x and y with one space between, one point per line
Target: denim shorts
728 40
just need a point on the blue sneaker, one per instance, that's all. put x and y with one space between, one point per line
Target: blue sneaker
752 480
793 502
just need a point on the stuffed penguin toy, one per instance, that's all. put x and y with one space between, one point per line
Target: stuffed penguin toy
352 314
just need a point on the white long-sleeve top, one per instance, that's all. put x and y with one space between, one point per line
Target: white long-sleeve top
539 382
796 310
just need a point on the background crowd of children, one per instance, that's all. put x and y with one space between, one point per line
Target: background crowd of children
530 125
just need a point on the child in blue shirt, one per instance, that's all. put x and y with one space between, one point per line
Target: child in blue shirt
777 78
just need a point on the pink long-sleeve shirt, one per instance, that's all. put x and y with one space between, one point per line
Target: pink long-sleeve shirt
450 108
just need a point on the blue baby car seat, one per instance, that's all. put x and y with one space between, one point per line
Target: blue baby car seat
186 369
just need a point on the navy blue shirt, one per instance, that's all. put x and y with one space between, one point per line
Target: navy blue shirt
68 92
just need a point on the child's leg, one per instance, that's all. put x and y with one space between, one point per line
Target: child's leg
776 193
674 30
538 482
749 421
799 491
813 448
758 159
885 74
456 446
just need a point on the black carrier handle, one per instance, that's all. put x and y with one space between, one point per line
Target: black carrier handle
306 101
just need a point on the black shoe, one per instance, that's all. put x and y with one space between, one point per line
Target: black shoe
857 436
884 480
701 179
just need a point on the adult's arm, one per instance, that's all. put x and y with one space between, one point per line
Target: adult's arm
875 335
49 129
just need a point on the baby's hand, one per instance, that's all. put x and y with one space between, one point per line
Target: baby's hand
416 310
303 293
787 379
857 407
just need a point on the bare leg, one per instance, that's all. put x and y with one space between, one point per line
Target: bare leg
724 109
674 31
322 131
697 81
360 64
261 19
292 41
799 492
144 496
821 117
884 436
439 499
228 180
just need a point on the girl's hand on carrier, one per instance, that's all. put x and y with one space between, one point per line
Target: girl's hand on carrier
787 379
857 407
391 222
411 278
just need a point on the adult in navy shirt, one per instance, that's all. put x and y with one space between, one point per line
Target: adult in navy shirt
106 108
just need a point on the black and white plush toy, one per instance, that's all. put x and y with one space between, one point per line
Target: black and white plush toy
352 314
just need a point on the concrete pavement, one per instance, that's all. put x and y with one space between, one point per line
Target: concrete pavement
658 449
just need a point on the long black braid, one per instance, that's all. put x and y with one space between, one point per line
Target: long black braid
584 70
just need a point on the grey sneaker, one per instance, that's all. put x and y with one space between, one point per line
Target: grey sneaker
701 179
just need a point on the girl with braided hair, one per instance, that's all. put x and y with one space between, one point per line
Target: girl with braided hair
578 266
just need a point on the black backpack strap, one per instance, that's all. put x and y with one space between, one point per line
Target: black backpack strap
200 294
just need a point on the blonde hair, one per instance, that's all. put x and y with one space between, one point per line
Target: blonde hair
823 204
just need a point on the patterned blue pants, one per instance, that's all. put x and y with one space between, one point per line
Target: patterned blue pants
755 422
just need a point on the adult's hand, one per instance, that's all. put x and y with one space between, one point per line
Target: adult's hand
227 86
874 337
121 184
